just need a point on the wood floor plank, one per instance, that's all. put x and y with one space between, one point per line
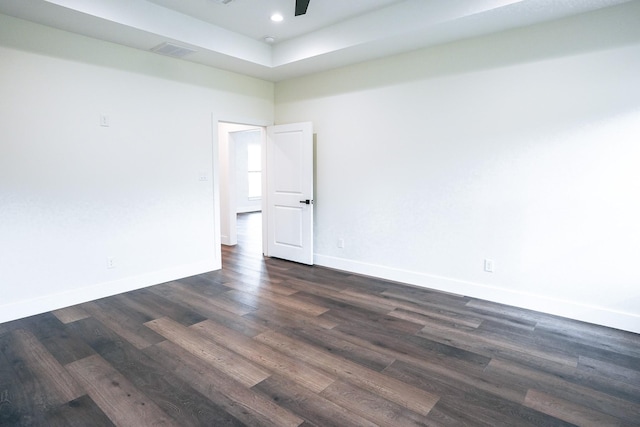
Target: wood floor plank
54 336
243 403
246 265
419 295
615 340
317 274
244 371
242 261
155 307
526 338
463 380
610 352
80 412
215 312
288 301
373 318
520 329
492 346
478 412
70 314
371 300
118 321
410 348
368 284
274 317
265 356
337 297
208 284
319 287
570 412
313 408
123 403
409 397
339 344
506 322
384 346
424 317
417 307
371 406
453 308
19 405
441 417
612 379
49 381
275 288
462 402
565 389
232 273
172 394
201 303
495 310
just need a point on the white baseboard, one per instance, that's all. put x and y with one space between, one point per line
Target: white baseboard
249 209
569 309
45 303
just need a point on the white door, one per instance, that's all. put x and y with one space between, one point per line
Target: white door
289 158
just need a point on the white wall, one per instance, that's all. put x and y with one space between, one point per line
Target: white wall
521 147
142 191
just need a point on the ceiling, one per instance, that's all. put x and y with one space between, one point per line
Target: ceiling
332 34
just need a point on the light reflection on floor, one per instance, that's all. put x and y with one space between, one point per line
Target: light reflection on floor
254 271
250 232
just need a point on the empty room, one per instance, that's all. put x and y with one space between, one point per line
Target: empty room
319 213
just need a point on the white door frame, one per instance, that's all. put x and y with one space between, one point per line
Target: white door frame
217 163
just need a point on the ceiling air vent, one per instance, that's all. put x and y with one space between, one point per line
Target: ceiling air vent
172 50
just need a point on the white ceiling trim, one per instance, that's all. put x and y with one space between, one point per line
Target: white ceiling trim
149 17
398 27
403 20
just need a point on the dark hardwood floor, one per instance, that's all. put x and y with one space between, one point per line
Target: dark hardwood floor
273 343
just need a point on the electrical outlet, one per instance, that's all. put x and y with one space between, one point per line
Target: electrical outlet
111 263
488 265
104 120
341 243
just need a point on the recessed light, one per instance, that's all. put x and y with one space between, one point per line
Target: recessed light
276 17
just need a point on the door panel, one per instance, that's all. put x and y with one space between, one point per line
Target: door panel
288 156
289 185
288 226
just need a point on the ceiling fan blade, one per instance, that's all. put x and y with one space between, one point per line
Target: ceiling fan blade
301 7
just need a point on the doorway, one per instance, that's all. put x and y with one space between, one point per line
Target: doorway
241 185
287 188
